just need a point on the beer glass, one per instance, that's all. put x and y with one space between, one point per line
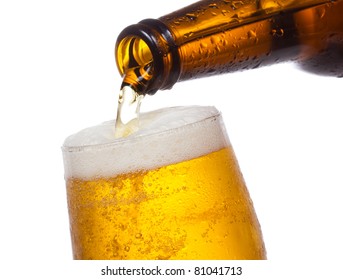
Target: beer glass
171 190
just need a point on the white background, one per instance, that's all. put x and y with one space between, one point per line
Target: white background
58 75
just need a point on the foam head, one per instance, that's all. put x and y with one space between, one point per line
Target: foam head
166 136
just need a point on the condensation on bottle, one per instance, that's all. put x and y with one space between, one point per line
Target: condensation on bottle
214 37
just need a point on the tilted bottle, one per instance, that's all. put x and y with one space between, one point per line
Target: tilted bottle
211 37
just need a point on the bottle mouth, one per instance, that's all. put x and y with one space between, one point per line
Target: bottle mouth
135 63
131 52
149 43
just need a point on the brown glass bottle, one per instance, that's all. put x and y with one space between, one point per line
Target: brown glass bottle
213 37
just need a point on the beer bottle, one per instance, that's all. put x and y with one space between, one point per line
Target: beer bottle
211 37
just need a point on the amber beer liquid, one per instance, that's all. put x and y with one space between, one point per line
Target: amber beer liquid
212 37
172 190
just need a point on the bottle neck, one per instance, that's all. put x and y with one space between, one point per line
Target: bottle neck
148 43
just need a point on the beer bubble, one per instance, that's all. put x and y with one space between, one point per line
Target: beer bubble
127 248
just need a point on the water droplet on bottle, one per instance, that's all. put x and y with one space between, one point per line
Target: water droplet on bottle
138 235
252 34
127 248
203 45
278 32
234 18
257 65
188 35
213 6
320 13
235 4
191 16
